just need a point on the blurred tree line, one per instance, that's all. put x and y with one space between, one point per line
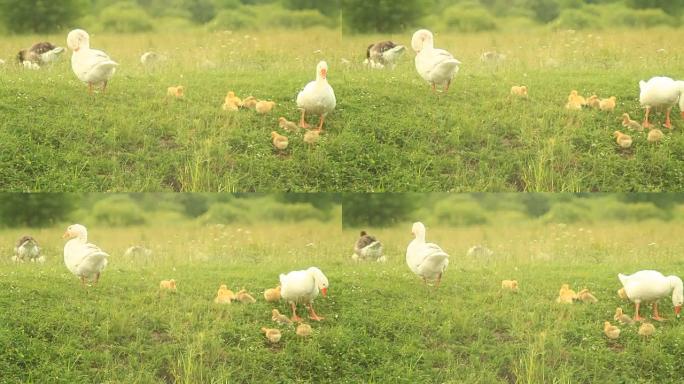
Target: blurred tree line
463 209
42 16
121 209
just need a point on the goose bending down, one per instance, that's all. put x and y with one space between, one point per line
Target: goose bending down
83 259
301 287
317 97
27 249
436 66
426 260
661 92
91 66
40 54
384 53
649 286
368 247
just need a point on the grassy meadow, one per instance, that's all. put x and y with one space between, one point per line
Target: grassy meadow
382 323
388 132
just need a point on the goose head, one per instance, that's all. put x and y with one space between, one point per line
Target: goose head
321 71
422 38
76 231
320 279
78 39
418 230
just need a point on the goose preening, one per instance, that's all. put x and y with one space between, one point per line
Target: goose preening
661 92
317 97
27 249
301 287
426 260
91 66
649 286
436 66
367 247
383 54
39 54
83 259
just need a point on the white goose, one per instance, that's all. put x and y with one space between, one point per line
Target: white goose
90 65
301 287
661 92
426 260
649 286
436 66
83 259
317 97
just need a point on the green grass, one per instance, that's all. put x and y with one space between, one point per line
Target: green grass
388 133
382 324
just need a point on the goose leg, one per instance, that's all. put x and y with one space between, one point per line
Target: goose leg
302 122
97 278
668 124
104 86
312 313
439 279
434 88
295 318
656 316
83 280
90 88
446 87
320 123
646 124
636 313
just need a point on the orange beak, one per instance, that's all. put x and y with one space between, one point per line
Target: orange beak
66 235
324 292
682 114
324 73
678 309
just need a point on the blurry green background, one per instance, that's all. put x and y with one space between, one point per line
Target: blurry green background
476 209
45 16
164 209
352 209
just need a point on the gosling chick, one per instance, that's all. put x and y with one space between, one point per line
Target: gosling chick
622 294
303 330
611 331
566 295
511 285
311 137
575 101
169 285
279 317
622 317
245 297
224 295
586 296
622 139
646 330
249 102
288 125
654 135
593 101
273 335
631 124
279 141
272 294
607 104
520 91
263 107
177 92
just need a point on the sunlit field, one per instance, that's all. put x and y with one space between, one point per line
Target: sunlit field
388 132
382 324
